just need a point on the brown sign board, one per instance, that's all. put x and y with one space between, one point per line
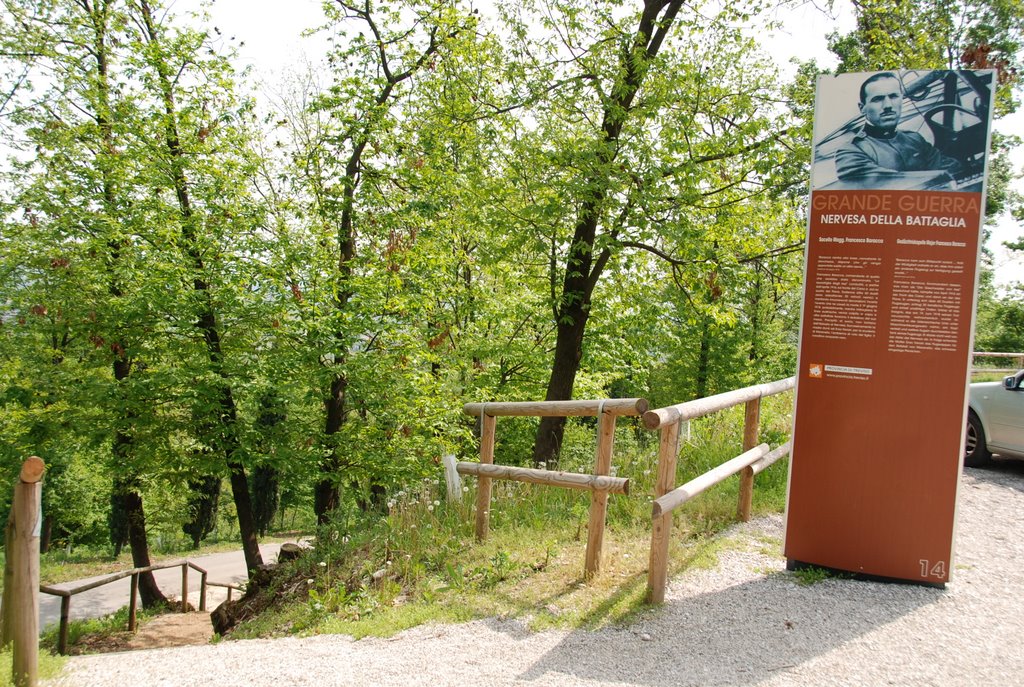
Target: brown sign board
893 240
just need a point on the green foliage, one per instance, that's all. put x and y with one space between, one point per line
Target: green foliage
1000 322
312 298
49 666
380 573
810 575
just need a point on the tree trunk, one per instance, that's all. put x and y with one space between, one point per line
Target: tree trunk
583 268
207 321
246 523
265 496
568 353
703 360
327 494
204 493
130 503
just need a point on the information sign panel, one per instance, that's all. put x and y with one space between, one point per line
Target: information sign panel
896 207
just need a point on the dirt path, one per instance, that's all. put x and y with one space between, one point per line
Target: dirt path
163 631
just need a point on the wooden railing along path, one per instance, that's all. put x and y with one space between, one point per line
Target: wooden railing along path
755 458
667 497
66 594
1017 358
600 484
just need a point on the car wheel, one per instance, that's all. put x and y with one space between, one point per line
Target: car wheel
976 454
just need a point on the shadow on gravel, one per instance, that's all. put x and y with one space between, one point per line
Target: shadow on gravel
1006 472
741 635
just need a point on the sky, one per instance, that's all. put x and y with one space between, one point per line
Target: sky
272 44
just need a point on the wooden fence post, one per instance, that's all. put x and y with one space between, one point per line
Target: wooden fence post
133 603
184 587
483 489
27 512
65 619
657 569
751 433
599 499
202 591
7 613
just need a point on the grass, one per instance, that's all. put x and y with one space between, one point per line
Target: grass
48 667
810 574
82 632
418 562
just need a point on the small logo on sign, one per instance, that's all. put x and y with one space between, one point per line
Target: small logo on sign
816 371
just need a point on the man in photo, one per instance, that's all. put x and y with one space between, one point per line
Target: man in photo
880 150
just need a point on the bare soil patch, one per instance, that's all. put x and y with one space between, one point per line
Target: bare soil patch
168 630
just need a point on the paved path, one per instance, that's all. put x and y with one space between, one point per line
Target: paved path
221 567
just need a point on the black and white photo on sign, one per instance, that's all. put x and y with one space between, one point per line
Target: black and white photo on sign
902 130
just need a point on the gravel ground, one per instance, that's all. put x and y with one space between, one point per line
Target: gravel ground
746 622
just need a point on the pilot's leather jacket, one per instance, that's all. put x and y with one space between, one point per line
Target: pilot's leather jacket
874 153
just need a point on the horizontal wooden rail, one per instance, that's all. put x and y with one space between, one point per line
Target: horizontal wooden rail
228 585
754 459
600 484
656 419
986 354
680 495
611 406
66 594
763 463
570 480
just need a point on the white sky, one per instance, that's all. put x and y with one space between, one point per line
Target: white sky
271 33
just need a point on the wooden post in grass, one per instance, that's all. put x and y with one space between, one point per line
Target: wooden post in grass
23 556
751 432
483 489
599 499
133 603
657 568
6 613
65 619
184 587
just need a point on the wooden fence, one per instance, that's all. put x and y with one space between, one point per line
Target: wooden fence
600 484
1017 358
66 594
755 458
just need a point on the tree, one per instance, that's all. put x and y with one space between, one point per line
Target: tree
170 61
78 204
375 70
639 139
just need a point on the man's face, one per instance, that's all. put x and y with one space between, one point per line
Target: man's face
882 103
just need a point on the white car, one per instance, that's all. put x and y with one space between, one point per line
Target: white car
995 420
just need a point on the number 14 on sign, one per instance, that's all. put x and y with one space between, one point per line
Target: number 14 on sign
929 570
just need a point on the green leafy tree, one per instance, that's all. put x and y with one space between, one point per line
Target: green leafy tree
352 297
202 161
639 139
75 191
